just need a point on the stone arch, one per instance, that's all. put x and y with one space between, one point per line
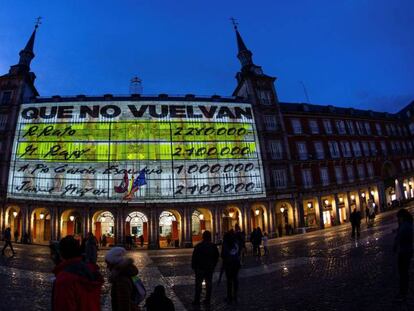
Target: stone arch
258 216
284 217
14 220
41 226
71 223
170 222
202 220
231 216
103 227
136 224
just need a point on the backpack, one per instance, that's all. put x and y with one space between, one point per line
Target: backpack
139 292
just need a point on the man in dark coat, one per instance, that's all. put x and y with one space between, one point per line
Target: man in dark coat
204 260
403 246
7 241
355 219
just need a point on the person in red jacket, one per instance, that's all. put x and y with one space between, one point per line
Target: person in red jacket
77 286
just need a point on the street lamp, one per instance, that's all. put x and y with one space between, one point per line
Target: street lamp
341 199
71 218
201 217
231 214
15 214
372 192
257 212
352 197
282 209
42 216
326 202
309 204
363 194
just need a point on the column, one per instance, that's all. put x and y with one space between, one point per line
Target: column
361 203
25 219
217 217
347 204
382 201
153 239
122 218
85 219
246 218
399 189
270 227
187 222
337 217
119 239
299 208
2 217
58 224
320 212
52 213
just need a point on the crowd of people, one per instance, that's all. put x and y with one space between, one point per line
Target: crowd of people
78 279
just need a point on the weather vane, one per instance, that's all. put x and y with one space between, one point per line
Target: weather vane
38 22
234 22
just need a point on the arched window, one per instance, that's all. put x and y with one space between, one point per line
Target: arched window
166 220
136 223
107 223
196 227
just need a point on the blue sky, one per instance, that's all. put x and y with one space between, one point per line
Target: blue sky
350 53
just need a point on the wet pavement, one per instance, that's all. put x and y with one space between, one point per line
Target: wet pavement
322 270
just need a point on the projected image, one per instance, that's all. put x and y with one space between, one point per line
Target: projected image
136 151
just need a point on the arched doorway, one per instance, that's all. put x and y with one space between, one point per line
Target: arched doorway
136 225
170 229
231 216
71 224
309 213
104 227
41 226
201 220
389 172
258 217
14 221
284 218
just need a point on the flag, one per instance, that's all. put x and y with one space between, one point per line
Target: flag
123 186
138 182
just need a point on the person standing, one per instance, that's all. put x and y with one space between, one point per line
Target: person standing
253 240
403 246
158 300
241 238
355 219
203 262
7 241
91 248
230 253
104 241
121 271
16 235
77 285
259 237
141 240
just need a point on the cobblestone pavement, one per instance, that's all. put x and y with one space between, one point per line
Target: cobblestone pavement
322 270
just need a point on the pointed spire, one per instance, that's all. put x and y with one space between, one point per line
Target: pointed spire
244 54
30 44
27 54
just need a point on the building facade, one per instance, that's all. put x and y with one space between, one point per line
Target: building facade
319 163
